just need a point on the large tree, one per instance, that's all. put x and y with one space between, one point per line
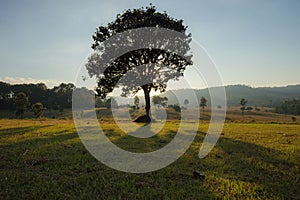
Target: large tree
157 64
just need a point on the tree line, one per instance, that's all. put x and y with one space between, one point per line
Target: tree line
37 98
57 98
289 107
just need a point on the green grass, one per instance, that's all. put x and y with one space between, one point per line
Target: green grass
46 159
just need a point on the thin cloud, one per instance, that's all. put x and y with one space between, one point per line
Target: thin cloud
27 80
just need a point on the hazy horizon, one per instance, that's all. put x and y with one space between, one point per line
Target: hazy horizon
58 83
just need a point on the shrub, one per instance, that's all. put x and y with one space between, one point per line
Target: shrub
176 107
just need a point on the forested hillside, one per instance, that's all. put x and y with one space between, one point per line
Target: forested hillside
262 96
60 96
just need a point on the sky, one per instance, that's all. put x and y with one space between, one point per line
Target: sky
252 42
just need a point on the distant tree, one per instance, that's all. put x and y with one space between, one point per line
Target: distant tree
161 101
243 103
158 65
63 95
219 107
99 102
21 103
36 92
38 109
175 107
271 103
111 103
285 107
6 96
186 102
203 102
249 108
89 98
136 102
257 108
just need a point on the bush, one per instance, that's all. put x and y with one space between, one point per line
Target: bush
249 108
176 107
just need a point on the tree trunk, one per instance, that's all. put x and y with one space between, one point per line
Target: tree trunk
146 90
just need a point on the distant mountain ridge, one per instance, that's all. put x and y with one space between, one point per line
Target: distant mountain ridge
260 96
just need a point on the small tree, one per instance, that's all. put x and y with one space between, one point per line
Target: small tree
203 102
38 109
243 103
136 102
21 102
186 102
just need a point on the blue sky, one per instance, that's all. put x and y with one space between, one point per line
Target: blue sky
253 42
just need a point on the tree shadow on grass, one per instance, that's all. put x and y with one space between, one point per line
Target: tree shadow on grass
276 171
14 151
20 130
45 138
151 139
45 166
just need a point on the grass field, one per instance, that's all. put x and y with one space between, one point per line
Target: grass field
257 159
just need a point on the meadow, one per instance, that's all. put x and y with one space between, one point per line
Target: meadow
256 157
